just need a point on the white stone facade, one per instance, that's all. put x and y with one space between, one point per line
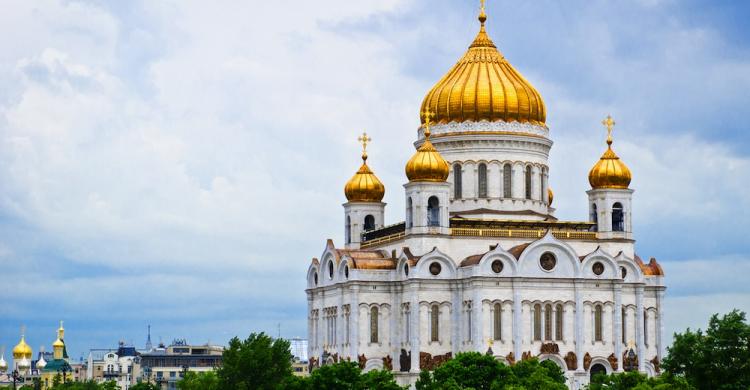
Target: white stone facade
405 291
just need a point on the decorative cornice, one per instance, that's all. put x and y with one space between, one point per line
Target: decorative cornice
498 127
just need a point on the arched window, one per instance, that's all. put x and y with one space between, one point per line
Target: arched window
645 327
624 326
374 324
507 181
537 322
497 319
433 211
594 217
598 323
369 223
348 230
409 213
435 323
528 182
482 173
559 322
618 220
548 322
457 181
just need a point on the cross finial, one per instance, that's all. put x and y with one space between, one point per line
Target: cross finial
482 15
427 114
364 140
610 124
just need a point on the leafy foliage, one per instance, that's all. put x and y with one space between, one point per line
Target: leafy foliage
472 370
144 386
199 381
346 376
717 359
258 362
636 380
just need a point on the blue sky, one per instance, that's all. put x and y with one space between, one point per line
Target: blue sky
178 163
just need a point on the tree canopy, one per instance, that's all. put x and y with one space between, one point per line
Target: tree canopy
718 358
258 362
472 370
636 380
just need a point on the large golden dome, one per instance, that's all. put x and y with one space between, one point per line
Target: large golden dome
609 171
427 164
22 350
364 186
483 85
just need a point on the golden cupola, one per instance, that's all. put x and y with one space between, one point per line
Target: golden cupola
427 164
609 171
364 186
22 349
484 86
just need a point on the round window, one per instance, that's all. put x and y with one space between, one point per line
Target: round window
406 269
315 278
330 270
346 272
624 272
497 266
435 268
547 261
598 268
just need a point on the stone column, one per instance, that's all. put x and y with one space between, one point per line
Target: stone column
519 181
618 324
640 344
395 331
414 326
310 324
476 321
457 330
579 326
517 322
354 322
660 324
536 183
322 326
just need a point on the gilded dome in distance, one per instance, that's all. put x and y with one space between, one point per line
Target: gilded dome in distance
484 86
609 171
550 196
22 350
364 186
427 164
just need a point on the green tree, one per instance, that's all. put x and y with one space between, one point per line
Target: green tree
472 370
258 362
199 381
636 380
717 359
348 376
144 386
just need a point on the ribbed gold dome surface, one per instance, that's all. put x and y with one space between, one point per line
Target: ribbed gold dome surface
364 186
609 171
483 85
22 350
427 164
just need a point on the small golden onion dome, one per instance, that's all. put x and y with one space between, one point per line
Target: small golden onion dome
58 344
609 171
483 85
22 350
427 164
364 186
550 196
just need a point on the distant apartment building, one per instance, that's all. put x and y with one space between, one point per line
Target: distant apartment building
121 365
166 365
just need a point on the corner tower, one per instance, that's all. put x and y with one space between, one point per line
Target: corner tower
364 209
427 191
489 124
609 197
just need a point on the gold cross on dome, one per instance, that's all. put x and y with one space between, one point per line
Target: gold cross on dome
610 124
481 2
364 140
427 114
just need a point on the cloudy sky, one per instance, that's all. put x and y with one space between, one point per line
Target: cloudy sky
178 163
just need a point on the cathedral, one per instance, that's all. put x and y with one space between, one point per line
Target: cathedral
480 262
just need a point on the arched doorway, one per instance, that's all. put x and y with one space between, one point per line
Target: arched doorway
596 369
